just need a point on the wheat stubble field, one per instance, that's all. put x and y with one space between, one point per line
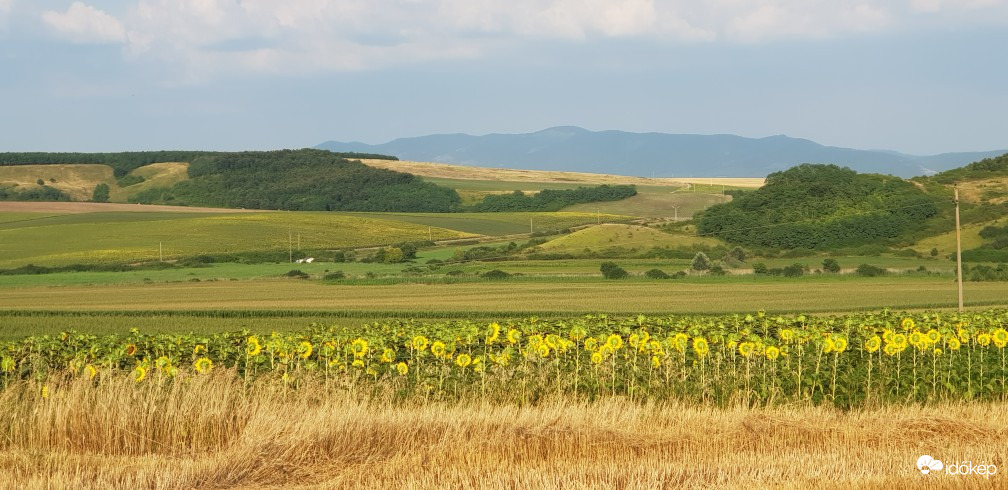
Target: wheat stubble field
214 433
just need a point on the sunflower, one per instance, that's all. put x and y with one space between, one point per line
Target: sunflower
577 333
388 355
358 363
253 347
7 365
438 348
596 357
772 353
964 335
131 349
655 362
933 336
839 344
44 391
786 334
139 373
746 349
680 341
553 341
513 336
543 349
983 339
907 323
305 349
918 340
199 349
614 341
203 365
591 344
873 343
888 336
952 343
359 347
890 350
493 333
900 341
1000 338
700 347
829 345
90 371
656 347
402 368
463 360
419 343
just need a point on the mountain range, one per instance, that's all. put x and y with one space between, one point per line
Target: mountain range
569 148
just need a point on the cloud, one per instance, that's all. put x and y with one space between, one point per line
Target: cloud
82 23
200 38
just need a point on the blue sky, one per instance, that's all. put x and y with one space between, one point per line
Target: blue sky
917 76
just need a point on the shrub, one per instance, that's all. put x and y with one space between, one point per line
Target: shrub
297 274
738 253
700 262
759 268
830 265
334 276
934 252
101 193
656 274
794 270
495 274
717 270
612 271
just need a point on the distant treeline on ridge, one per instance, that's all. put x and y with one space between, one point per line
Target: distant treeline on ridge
297 180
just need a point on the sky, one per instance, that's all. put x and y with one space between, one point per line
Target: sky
916 76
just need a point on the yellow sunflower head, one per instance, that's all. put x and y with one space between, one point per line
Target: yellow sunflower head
203 365
90 371
359 347
700 347
513 336
746 349
305 349
983 339
402 369
438 348
772 353
139 373
873 343
419 343
839 344
953 343
1000 338
463 360
252 346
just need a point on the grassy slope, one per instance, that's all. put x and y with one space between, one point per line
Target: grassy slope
627 236
79 180
129 237
498 223
656 197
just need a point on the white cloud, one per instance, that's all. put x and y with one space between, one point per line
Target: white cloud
203 37
82 23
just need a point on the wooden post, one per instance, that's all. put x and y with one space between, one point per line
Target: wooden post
958 250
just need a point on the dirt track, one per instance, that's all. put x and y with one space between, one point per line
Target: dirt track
96 207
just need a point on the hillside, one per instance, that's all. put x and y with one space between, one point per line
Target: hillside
286 179
655 198
600 237
647 154
821 207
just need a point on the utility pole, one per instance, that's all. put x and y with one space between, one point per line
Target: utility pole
430 234
160 251
530 226
290 244
958 250
676 208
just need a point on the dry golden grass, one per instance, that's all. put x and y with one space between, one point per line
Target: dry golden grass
214 432
448 171
78 181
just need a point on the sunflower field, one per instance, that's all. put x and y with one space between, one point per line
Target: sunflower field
754 359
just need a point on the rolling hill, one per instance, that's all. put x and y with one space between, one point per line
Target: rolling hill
651 154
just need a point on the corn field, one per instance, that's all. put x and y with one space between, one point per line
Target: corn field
749 360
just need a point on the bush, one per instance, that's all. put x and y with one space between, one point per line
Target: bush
334 276
297 274
867 270
794 270
612 271
101 193
759 268
656 274
934 252
830 265
679 275
700 262
717 270
495 274
738 253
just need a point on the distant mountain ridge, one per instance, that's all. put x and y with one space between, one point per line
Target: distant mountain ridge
570 148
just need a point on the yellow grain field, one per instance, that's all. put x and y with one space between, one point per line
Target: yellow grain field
213 431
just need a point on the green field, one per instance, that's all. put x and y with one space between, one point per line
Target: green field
495 224
626 236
